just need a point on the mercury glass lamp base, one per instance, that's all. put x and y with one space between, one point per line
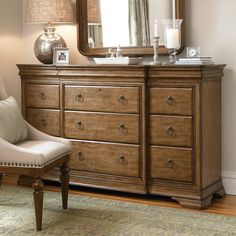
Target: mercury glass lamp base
43 47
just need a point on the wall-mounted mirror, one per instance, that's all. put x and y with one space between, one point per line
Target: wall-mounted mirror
104 24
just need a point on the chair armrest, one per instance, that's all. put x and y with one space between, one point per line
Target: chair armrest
12 154
36 135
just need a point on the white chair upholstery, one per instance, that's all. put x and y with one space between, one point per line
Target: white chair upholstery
33 157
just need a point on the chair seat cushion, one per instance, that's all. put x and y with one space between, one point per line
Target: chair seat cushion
47 151
12 125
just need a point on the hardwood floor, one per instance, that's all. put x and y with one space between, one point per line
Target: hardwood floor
224 206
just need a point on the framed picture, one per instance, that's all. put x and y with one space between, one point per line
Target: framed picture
60 56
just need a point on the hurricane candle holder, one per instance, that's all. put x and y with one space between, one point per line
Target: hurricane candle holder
172 37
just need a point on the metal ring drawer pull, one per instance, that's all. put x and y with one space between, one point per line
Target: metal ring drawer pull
80 156
79 125
43 122
79 98
43 96
170 100
170 131
170 163
122 99
122 128
122 160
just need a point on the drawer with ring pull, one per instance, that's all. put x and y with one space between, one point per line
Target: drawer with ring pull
171 163
42 96
102 126
173 101
171 130
102 98
114 159
45 120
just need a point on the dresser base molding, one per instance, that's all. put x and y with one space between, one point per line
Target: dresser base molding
136 129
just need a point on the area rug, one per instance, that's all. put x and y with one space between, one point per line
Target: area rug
101 217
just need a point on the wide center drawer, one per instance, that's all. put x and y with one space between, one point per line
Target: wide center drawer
102 126
113 159
108 99
42 96
171 130
45 120
171 163
172 101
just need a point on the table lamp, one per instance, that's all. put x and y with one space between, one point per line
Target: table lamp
48 11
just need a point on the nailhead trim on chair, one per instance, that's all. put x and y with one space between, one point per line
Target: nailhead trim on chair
22 165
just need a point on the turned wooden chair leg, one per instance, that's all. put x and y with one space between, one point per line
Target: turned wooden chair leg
0 179
38 202
65 170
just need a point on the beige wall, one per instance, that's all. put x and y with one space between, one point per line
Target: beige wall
210 24
11 44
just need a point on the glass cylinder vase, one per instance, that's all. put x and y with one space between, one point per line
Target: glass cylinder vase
172 37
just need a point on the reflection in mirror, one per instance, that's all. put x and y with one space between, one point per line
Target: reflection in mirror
104 24
125 22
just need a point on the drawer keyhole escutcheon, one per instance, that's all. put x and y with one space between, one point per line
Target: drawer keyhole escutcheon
80 156
170 100
79 125
170 163
122 160
79 98
43 96
170 131
122 99
122 128
43 122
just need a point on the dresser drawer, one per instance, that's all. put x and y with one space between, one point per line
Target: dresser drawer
113 159
102 126
42 96
171 130
47 121
109 99
171 163
176 101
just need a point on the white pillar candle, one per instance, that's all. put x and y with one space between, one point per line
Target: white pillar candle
156 28
172 38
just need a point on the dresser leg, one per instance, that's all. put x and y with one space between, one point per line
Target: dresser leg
196 204
221 193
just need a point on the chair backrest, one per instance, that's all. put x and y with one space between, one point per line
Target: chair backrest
3 93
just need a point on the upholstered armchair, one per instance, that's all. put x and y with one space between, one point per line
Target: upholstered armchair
29 152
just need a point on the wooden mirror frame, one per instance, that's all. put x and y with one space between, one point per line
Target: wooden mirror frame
82 34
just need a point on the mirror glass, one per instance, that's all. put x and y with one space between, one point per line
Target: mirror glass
104 24
128 23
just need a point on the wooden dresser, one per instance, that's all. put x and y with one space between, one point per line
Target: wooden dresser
141 129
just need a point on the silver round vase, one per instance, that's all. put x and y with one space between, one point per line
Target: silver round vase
43 47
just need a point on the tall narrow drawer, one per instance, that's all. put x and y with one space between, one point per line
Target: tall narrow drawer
47 121
42 96
171 130
171 163
113 159
102 126
108 99
176 101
